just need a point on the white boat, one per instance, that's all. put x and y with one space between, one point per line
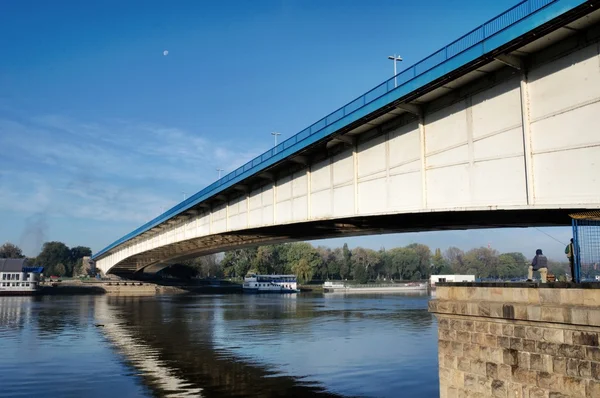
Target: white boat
336 287
254 283
18 278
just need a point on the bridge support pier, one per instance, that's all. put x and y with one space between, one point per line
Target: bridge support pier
518 339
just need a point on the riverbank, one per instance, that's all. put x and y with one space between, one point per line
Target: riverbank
134 288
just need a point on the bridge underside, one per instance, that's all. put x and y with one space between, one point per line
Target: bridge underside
154 260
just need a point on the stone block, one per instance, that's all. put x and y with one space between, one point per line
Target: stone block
572 296
452 392
529 345
496 310
491 370
514 390
584 369
520 331
490 340
471 351
495 328
464 364
534 296
534 312
552 313
462 308
447 334
524 376
523 360
484 309
456 349
478 338
444 374
450 361
521 311
463 337
478 367
470 382
579 316
592 388
443 323
534 333
570 351
591 297
504 341
554 335
441 292
572 367
499 389
585 338
504 372
456 324
538 393
544 347
554 394
550 296
516 343
559 365
468 325
593 316
596 370
520 295
495 355
508 329
548 380
541 363
481 327
593 353
573 386
510 357
473 308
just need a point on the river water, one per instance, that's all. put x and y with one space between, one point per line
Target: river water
329 345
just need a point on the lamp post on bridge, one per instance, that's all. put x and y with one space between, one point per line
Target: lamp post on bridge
395 58
275 134
219 171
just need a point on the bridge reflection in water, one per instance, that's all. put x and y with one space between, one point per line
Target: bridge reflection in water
257 346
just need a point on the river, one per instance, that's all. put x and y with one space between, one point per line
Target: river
329 345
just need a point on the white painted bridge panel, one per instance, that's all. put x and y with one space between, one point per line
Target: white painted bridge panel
528 141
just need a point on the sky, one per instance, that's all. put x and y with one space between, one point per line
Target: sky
100 131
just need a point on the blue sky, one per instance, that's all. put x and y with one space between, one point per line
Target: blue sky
99 130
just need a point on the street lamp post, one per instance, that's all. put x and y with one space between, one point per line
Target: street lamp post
275 134
184 195
219 171
395 58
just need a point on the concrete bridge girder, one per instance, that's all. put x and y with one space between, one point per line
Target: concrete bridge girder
500 142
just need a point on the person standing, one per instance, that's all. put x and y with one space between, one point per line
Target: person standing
539 263
570 252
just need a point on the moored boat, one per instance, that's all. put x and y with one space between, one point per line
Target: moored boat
338 286
254 283
18 278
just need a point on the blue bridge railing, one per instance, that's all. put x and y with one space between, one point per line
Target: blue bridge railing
469 40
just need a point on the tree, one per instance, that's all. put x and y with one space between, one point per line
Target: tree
424 255
8 250
440 265
367 259
302 251
303 270
360 274
54 253
59 269
346 265
238 262
454 256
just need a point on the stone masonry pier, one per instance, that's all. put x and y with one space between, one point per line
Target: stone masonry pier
518 340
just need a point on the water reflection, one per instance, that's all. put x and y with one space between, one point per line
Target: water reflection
218 346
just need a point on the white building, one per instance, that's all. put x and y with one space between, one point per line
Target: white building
450 278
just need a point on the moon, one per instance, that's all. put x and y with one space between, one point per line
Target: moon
165 53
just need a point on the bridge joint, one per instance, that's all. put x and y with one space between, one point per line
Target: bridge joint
511 60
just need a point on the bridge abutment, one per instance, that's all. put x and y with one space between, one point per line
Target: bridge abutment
518 339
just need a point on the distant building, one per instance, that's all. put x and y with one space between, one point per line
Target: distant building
450 278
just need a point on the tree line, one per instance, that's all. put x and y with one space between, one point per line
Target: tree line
56 258
413 262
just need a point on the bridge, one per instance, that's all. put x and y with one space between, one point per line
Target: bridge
498 128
